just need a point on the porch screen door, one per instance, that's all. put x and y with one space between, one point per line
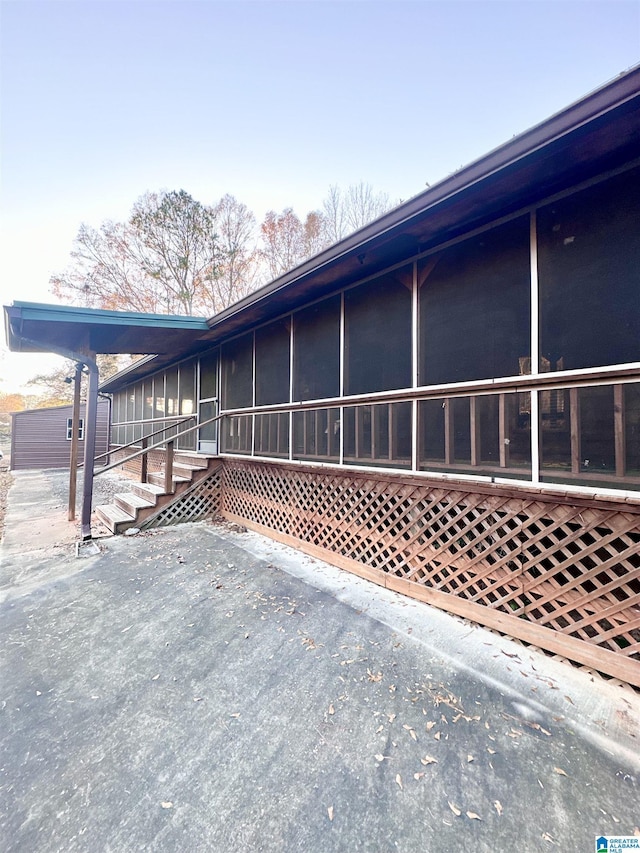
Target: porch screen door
208 404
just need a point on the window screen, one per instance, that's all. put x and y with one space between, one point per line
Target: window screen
378 334
209 376
589 276
316 351
237 373
475 307
171 392
272 363
187 388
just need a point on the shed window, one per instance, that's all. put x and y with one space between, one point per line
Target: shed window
378 334
316 351
272 363
475 307
589 276
237 373
70 429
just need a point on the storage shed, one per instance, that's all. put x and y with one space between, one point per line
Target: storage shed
41 438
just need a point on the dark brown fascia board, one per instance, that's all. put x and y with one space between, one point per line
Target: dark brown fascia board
602 100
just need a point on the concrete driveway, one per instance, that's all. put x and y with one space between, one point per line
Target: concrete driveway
201 688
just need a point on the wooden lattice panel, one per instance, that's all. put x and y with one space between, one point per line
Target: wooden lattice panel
200 501
563 575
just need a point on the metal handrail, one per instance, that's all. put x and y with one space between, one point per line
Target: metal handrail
149 435
145 450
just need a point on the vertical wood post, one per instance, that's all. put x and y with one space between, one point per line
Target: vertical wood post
448 431
619 430
144 461
168 468
504 430
474 424
574 419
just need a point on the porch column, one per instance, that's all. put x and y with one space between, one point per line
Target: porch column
89 445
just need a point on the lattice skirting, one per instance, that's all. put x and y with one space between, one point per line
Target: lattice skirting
199 501
563 574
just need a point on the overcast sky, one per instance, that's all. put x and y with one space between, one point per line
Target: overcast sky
103 100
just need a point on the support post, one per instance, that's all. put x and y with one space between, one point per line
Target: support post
75 438
89 445
168 468
144 461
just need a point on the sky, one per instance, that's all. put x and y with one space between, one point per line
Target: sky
273 102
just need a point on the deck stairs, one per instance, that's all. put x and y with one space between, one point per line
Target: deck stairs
144 501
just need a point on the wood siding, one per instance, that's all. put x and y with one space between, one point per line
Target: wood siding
39 436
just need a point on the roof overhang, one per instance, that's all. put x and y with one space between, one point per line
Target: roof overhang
598 133
35 327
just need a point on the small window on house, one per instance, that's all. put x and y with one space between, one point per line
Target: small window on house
70 429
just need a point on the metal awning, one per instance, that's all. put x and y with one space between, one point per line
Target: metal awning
34 327
81 333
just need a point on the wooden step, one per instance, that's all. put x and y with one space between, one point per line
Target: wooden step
149 491
131 502
182 469
114 518
157 478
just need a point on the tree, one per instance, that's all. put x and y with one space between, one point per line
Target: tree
162 260
56 387
282 240
237 269
178 248
346 211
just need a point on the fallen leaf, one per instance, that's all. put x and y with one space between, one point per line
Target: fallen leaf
430 725
469 759
330 812
454 809
428 759
546 837
498 806
559 771
418 776
374 676
437 735
399 781
379 757
473 816
413 734
331 710
167 805
491 751
155 677
379 729
197 698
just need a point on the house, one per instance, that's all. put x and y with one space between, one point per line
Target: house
446 402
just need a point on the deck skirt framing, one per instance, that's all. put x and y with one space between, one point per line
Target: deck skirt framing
564 575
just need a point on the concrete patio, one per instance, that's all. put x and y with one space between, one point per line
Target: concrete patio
203 688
